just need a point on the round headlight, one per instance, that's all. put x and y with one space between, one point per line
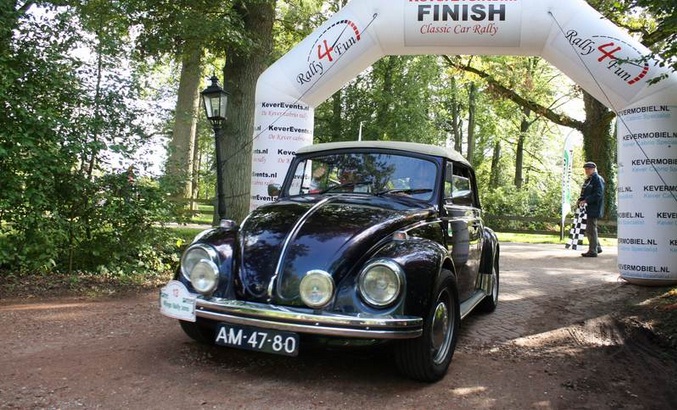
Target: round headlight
316 288
195 254
380 282
205 276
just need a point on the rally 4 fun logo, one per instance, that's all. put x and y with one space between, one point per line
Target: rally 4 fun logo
332 43
621 59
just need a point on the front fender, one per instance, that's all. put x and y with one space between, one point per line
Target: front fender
225 242
422 261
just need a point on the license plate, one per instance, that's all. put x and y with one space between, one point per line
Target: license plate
260 340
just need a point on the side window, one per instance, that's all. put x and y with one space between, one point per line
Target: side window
458 189
461 191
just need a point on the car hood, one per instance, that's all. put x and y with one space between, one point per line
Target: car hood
282 241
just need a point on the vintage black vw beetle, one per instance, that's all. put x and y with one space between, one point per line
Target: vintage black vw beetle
368 242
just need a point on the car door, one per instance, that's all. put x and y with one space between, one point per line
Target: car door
463 226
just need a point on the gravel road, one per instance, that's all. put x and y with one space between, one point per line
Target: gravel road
555 342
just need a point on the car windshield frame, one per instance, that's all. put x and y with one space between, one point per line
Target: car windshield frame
365 172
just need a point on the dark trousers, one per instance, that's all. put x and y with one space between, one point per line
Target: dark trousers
592 235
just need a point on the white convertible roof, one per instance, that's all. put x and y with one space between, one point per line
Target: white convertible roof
412 147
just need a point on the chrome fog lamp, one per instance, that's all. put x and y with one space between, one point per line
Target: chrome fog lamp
195 254
204 276
380 282
316 288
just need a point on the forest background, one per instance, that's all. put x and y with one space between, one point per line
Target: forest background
103 142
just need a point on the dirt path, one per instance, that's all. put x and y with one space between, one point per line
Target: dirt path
553 343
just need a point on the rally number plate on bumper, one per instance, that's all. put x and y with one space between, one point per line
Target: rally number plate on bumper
260 340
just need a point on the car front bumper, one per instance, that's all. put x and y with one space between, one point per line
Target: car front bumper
304 320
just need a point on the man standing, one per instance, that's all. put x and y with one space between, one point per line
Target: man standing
592 196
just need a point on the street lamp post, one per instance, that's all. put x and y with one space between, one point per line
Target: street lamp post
215 101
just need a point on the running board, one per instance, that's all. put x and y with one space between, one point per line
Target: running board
469 305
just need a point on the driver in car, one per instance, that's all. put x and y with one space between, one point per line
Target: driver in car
353 181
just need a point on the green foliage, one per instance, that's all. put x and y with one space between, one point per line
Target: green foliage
110 224
394 100
530 203
62 206
295 20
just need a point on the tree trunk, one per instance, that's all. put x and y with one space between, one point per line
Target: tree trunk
241 71
494 181
384 106
472 106
197 163
519 151
599 144
456 122
336 120
180 161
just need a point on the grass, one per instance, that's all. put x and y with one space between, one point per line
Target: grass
552 239
203 215
184 234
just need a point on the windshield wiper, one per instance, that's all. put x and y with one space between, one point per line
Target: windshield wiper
346 185
404 191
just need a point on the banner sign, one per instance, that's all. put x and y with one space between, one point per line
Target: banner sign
282 129
647 193
467 22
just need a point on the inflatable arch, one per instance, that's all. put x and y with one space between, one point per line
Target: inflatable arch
571 35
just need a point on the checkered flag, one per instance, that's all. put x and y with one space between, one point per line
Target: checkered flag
577 231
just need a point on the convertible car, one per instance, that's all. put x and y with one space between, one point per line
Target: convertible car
367 243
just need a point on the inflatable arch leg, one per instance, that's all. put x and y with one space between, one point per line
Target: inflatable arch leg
593 52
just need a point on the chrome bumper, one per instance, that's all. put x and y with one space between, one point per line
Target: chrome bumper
303 320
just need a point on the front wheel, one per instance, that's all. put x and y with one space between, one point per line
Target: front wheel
427 357
197 332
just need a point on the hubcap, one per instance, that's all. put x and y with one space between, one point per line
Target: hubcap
441 332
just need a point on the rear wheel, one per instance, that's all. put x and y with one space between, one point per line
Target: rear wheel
198 332
427 357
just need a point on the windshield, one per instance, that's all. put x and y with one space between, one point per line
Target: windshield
368 173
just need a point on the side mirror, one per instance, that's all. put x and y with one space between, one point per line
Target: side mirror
274 189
